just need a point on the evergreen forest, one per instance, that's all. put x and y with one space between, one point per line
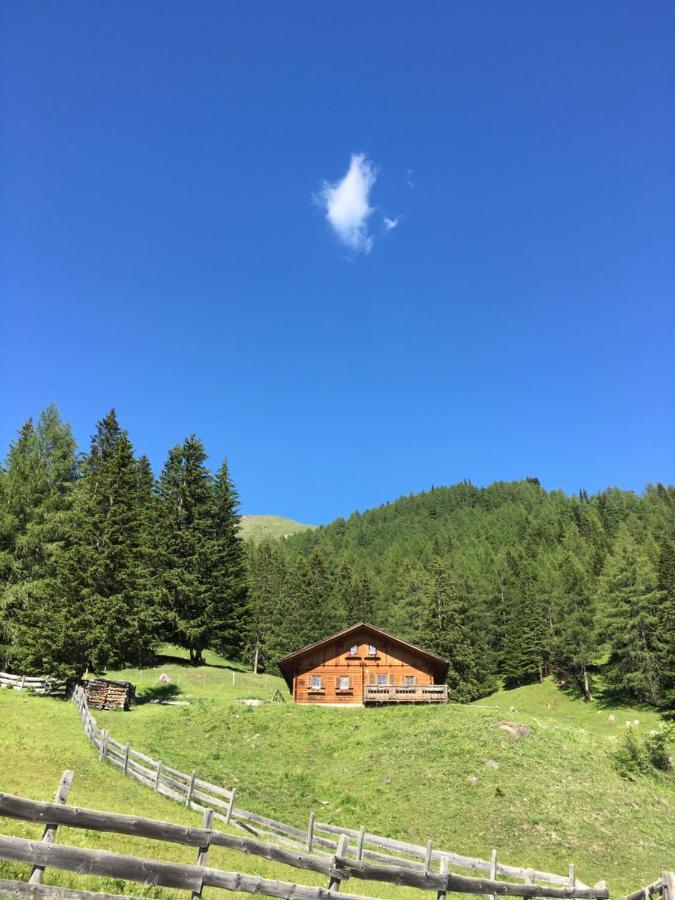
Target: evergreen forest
101 561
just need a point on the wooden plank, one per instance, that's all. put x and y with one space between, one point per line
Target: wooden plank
208 787
216 801
49 835
153 829
203 852
427 857
147 759
461 883
655 887
310 830
359 843
336 875
191 788
456 859
230 806
668 879
442 894
22 889
154 872
493 870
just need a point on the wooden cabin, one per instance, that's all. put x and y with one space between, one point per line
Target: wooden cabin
364 665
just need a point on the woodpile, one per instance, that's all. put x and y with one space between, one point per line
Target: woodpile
104 694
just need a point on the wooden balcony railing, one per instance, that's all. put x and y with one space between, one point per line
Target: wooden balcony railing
398 693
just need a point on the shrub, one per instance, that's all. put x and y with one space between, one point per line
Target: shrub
656 746
630 757
636 756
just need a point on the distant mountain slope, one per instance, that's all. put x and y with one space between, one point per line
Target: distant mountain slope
260 528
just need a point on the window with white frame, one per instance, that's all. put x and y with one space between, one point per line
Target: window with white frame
372 650
344 683
315 683
354 650
410 680
382 679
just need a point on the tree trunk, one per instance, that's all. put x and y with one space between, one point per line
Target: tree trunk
587 686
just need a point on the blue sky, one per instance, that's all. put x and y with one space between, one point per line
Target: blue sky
167 171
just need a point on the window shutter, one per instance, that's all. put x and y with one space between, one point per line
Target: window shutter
351 685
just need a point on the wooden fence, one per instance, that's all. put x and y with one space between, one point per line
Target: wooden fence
663 888
36 685
343 864
320 837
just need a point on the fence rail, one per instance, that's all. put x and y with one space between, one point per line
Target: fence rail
338 867
31 683
416 693
664 887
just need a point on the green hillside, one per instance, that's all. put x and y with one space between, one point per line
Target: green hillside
452 773
274 528
509 580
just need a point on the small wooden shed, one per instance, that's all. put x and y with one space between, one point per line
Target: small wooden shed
365 665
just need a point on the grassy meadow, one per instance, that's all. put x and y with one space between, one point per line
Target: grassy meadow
272 528
453 773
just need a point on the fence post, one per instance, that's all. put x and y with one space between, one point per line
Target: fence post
159 772
338 874
493 870
191 788
230 807
668 885
359 846
441 895
104 743
126 759
310 831
50 830
573 877
427 857
203 853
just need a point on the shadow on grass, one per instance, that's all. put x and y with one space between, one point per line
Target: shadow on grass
168 660
158 692
604 697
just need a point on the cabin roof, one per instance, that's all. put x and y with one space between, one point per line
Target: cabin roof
286 664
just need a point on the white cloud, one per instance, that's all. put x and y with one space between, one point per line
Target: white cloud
410 178
347 206
390 224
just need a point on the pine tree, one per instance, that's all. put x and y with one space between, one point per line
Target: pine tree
186 546
408 596
288 628
353 597
526 634
442 628
95 614
575 643
629 597
267 573
201 562
229 610
665 634
37 489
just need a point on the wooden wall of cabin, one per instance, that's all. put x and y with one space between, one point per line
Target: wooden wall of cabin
335 660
